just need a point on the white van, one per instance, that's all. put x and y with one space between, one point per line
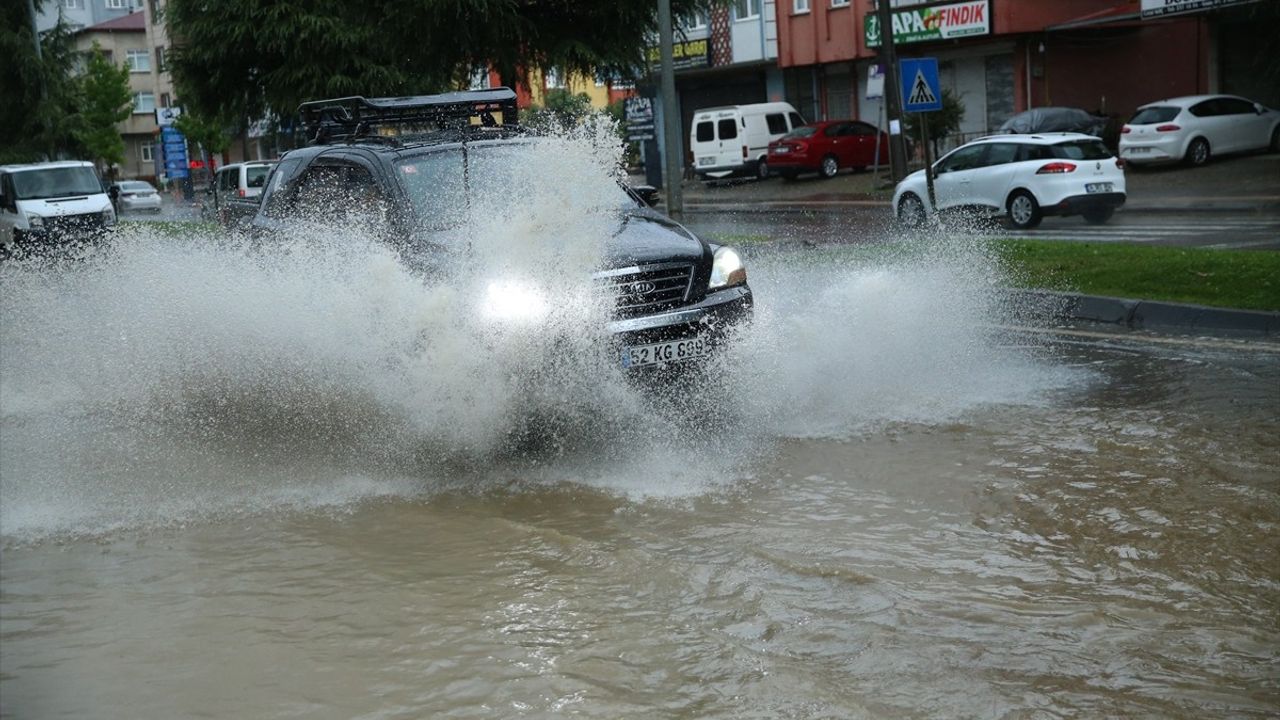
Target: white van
734 139
50 203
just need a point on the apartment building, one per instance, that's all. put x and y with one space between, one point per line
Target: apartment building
123 40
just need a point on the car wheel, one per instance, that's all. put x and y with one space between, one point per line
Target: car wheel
762 169
1275 140
1024 211
1098 216
830 166
1198 152
910 210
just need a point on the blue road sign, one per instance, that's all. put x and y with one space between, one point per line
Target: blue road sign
921 91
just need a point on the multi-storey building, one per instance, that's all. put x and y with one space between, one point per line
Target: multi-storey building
1004 56
79 14
123 40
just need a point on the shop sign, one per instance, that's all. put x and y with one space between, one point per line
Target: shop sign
684 55
639 113
940 22
1160 8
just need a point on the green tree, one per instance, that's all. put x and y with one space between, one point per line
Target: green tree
560 108
244 58
107 101
942 122
210 132
40 115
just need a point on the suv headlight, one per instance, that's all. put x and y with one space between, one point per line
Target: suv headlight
727 270
35 221
108 217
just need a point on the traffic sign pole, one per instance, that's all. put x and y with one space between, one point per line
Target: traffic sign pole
928 160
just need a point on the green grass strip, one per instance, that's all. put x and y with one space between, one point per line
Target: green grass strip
1245 279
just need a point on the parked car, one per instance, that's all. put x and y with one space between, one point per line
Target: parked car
734 139
45 206
826 147
1197 127
672 296
1022 176
131 195
232 198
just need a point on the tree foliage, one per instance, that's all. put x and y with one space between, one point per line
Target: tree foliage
941 122
107 101
210 132
560 108
245 58
40 114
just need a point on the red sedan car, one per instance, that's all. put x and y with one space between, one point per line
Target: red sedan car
826 147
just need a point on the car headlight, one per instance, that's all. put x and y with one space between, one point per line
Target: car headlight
35 221
727 270
514 302
108 217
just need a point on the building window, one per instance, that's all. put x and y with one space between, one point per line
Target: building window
839 3
139 61
697 21
73 4
164 100
800 7
746 9
157 12
160 66
116 4
553 79
144 102
144 152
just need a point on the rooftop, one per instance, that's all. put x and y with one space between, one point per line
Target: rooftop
133 22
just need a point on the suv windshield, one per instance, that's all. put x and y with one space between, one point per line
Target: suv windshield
55 183
1157 114
1081 150
441 184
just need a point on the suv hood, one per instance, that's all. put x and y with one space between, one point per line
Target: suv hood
647 236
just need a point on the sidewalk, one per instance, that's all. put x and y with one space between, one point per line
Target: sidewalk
1245 184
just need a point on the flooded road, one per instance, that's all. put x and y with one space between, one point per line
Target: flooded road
1106 548
304 482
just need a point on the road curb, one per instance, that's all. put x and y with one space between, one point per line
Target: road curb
1149 314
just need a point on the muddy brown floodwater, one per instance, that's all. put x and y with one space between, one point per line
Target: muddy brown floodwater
1108 547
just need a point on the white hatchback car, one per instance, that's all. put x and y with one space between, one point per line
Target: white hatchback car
1022 176
1195 127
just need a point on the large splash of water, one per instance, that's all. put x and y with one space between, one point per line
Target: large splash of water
185 376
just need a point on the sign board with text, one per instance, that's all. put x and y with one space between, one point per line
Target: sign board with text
1161 8
684 55
639 118
939 22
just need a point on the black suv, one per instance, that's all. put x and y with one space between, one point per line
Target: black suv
673 296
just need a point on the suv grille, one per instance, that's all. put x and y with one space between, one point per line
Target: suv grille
646 289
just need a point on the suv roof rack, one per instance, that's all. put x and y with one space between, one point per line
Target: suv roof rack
355 117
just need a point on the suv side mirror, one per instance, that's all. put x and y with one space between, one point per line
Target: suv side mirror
647 193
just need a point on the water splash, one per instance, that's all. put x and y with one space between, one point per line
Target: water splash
179 378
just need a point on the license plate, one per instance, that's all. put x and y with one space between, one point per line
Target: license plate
780 151
665 352
706 161
1098 187
1139 150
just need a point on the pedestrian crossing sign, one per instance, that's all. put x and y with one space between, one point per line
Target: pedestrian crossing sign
921 91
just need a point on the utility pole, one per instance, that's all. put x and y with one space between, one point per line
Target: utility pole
892 98
670 117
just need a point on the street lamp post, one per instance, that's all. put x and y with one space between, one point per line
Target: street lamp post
670 116
892 99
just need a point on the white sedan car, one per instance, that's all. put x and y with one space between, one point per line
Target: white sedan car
1025 177
137 195
1196 127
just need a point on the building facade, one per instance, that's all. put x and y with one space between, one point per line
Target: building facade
123 40
79 14
1000 57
